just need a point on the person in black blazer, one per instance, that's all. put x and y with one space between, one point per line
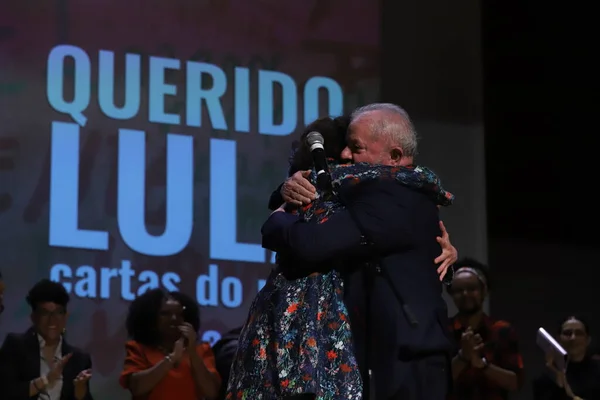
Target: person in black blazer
40 363
409 348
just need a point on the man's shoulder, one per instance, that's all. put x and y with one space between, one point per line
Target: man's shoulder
19 338
385 190
14 339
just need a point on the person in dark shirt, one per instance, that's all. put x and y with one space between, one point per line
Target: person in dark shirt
582 378
224 351
488 364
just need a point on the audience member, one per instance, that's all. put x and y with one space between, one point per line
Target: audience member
582 378
488 364
224 351
40 361
163 360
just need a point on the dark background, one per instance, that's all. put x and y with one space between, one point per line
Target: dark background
526 68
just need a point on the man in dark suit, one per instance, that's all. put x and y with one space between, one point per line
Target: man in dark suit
40 363
402 337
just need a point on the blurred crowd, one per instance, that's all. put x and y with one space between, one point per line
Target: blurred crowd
164 359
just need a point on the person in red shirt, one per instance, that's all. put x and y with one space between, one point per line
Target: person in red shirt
487 365
163 360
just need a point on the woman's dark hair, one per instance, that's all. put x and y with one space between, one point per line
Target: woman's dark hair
334 133
46 291
142 318
583 321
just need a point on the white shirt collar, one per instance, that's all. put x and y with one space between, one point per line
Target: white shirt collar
58 352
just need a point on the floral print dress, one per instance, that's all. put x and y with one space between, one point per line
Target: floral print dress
297 338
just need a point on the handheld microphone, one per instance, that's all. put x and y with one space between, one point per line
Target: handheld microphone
316 144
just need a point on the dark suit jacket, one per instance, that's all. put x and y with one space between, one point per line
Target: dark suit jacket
20 363
401 225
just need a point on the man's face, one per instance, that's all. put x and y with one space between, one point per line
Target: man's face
467 293
362 146
49 320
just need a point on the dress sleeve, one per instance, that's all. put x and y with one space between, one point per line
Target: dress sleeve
208 357
135 361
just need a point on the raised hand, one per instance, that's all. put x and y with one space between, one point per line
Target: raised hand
178 350
469 344
80 383
188 332
449 253
57 370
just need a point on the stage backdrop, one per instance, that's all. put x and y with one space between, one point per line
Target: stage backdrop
140 142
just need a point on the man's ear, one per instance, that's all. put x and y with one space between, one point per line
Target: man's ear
396 155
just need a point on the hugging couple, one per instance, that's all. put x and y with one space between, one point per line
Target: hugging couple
354 307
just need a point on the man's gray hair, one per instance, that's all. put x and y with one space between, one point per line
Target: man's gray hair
399 129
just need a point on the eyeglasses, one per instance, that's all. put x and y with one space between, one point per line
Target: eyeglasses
54 313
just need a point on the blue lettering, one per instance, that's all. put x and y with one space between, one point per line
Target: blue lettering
212 96
59 272
179 196
126 274
266 123
81 84
86 286
149 280
231 292
261 284
170 281
106 85
211 337
106 276
64 193
311 98
159 89
207 287
242 99
223 207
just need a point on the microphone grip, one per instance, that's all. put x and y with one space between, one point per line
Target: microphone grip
319 161
321 169
324 182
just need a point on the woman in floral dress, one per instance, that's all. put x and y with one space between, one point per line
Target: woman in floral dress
297 338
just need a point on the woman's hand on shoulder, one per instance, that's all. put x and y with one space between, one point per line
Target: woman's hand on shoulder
449 253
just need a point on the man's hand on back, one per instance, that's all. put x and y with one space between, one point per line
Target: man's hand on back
298 190
449 253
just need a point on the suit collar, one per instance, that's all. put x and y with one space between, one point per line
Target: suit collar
35 341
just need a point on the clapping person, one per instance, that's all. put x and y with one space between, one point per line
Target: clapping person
582 377
163 360
40 363
488 364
